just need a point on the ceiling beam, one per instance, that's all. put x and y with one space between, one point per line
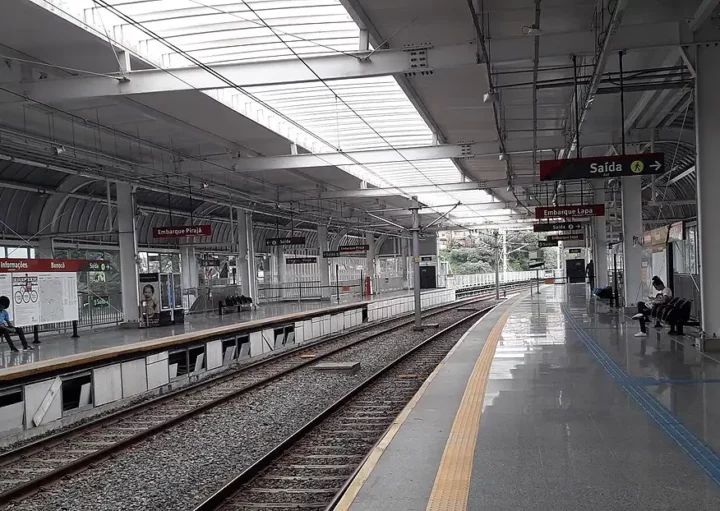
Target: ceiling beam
406 190
434 152
702 14
341 66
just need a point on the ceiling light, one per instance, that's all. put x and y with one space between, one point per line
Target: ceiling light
59 149
491 97
532 31
502 156
205 186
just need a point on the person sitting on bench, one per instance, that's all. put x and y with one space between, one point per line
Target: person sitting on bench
6 327
662 296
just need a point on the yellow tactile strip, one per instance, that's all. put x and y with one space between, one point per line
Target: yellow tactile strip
452 483
374 457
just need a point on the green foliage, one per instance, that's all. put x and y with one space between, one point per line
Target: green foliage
477 254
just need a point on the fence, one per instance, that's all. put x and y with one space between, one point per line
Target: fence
486 279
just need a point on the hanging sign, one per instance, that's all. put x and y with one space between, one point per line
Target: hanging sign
566 237
52 265
676 232
575 251
570 211
301 260
354 248
656 237
558 226
182 231
327 254
602 167
209 263
547 243
282 242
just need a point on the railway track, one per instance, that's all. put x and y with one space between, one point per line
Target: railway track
309 470
29 468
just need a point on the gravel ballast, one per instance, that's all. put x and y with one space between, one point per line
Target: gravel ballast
179 468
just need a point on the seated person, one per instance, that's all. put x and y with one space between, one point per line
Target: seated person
662 296
6 326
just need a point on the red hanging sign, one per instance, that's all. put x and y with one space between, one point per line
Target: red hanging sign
569 211
182 231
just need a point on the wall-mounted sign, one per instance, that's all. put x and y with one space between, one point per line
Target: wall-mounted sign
547 243
657 237
575 251
52 265
182 231
602 167
301 260
566 237
558 226
676 232
283 242
38 298
569 211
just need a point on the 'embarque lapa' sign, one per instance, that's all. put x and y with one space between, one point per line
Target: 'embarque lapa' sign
602 167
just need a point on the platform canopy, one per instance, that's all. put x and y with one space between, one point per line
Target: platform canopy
336 112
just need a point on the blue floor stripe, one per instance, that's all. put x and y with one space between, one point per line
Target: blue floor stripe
698 451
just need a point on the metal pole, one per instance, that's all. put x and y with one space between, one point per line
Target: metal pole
577 109
505 253
337 281
416 261
622 99
537 279
497 266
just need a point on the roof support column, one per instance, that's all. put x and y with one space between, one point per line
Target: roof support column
242 257
253 289
370 261
189 267
323 263
600 239
281 273
128 254
707 130
632 232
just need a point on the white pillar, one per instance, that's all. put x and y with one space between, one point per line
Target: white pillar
323 263
370 262
251 257
189 268
280 266
128 254
707 129
242 265
404 250
600 239
632 233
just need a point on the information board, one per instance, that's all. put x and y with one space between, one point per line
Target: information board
41 298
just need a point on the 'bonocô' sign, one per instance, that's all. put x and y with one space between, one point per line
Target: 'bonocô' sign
570 211
602 167
558 226
182 231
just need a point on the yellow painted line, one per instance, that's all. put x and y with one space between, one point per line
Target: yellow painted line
372 460
452 482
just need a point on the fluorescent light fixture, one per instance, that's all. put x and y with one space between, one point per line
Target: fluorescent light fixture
532 31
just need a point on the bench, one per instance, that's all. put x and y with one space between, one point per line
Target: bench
675 313
227 305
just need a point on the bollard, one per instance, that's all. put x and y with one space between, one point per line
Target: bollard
36 334
75 325
220 306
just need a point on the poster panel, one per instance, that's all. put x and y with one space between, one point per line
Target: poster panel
41 298
150 298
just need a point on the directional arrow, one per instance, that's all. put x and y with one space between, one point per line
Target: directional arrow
657 166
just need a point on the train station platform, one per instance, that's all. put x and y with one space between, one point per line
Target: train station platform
61 351
550 402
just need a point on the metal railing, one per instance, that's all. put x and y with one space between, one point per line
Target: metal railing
486 279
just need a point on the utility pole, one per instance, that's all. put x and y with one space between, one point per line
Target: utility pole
416 261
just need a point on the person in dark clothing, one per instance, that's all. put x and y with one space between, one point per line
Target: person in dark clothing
590 272
6 327
663 295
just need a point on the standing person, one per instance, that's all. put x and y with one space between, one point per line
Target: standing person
590 272
663 295
6 327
